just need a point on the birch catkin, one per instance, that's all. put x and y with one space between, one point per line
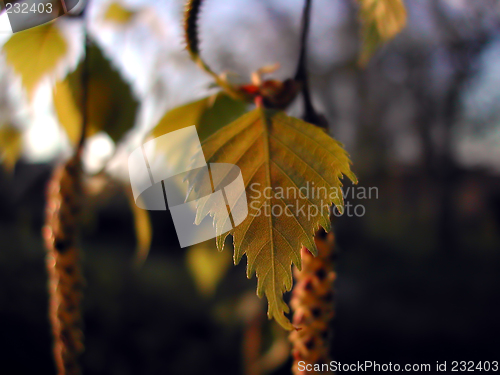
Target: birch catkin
312 304
63 263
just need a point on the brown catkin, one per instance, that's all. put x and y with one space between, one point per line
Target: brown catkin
63 263
191 15
312 305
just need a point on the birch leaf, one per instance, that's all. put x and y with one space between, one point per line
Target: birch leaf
10 146
116 13
35 53
67 111
382 20
208 114
111 103
207 266
143 230
275 151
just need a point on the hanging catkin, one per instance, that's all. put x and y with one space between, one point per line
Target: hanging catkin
63 263
312 304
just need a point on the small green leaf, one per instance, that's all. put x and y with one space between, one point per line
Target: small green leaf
143 230
116 13
111 105
10 146
67 111
382 20
208 114
207 266
35 53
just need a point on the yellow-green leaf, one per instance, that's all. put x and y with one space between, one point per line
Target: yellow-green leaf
10 146
35 53
118 14
143 230
67 111
275 151
208 114
382 20
207 266
111 105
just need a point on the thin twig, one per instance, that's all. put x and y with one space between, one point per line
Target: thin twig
85 92
310 114
301 74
